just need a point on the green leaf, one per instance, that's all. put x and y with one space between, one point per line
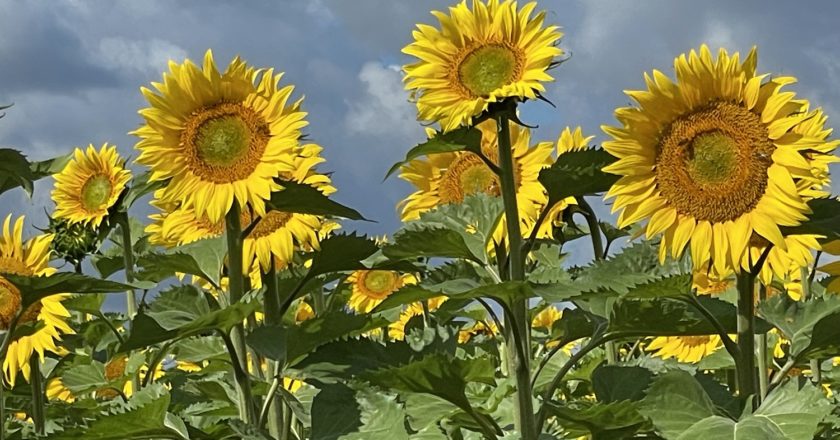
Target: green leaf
675 402
668 287
49 167
461 139
824 220
34 288
578 173
15 171
293 342
145 417
342 252
139 187
811 326
667 317
91 303
335 412
203 258
178 306
146 331
681 410
429 242
613 383
305 199
408 294
614 420
439 375
382 418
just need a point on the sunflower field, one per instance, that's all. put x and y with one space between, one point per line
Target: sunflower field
710 308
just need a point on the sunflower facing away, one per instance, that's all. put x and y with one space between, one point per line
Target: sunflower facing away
89 185
371 287
479 56
715 159
450 177
30 258
219 137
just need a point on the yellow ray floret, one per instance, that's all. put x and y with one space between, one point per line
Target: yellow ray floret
219 137
478 56
371 287
29 258
89 185
717 158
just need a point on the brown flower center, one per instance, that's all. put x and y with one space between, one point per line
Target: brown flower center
225 142
378 284
712 163
484 69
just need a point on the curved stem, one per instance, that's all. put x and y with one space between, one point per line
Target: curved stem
518 351
730 345
547 358
549 392
763 385
594 228
128 259
273 316
243 382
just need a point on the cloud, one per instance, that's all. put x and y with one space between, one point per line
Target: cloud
140 56
384 109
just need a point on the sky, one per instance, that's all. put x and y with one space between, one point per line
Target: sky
73 70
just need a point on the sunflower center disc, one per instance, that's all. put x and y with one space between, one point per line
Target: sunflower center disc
695 341
272 221
221 142
714 158
466 176
224 143
712 163
379 283
96 192
9 303
488 69
116 368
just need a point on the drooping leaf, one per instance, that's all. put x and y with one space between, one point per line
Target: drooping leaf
675 402
342 252
437 242
335 412
139 187
614 420
15 171
305 199
461 139
578 173
203 258
34 288
178 306
613 383
811 326
824 220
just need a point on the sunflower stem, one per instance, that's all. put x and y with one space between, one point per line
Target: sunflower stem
2 408
747 373
36 382
237 347
271 304
517 321
763 383
128 260
807 279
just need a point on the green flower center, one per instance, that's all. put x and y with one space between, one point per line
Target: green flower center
96 192
223 141
380 283
477 179
713 157
488 69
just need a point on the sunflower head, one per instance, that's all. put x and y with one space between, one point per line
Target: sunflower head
73 241
486 329
219 137
546 318
371 287
89 185
478 56
716 159
685 348
28 258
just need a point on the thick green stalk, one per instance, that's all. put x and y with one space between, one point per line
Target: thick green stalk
807 279
524 420
2 409
599 252
747 374
128 259
763 378
38 398
233 230
271 304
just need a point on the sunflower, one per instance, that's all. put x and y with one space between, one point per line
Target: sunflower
56 390
89 185
569 140
450 177
685 348
371 287
396 330
175 226
277 233
116 374
30 258
478 57
693 348
546 318
219 137
716 159
478 328
304 312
